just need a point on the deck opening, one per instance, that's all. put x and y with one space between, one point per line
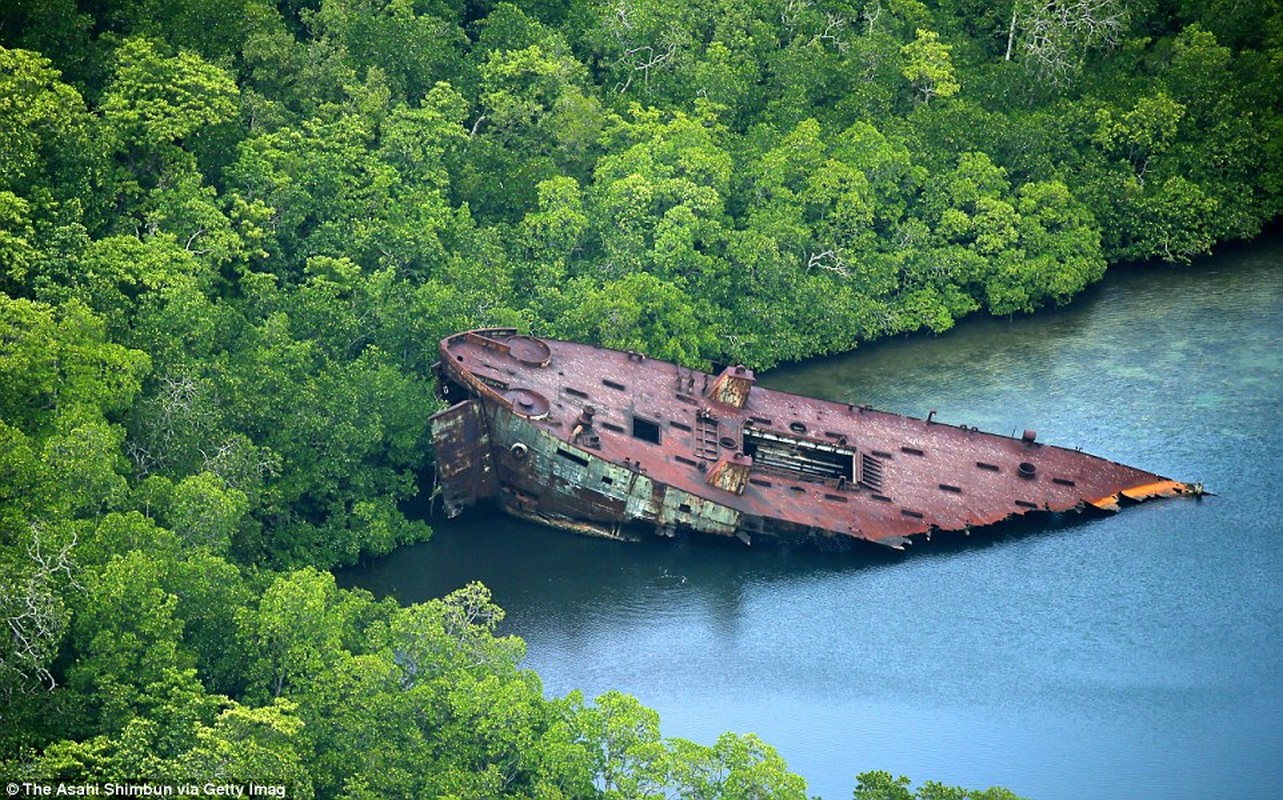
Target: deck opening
619 387
681 426
690 462
610 426
575 393
988 467
645 430
1026 504
945 487
575 457
606 479
1063 481
912 451
915 514
798 458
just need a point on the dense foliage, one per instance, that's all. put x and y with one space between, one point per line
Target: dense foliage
231 233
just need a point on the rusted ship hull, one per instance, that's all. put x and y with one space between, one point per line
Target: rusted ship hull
605 442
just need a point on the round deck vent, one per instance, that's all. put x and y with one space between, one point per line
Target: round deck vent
1027 470
527 403
797 427
530 351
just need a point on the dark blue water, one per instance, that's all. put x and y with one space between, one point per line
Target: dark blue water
1138 655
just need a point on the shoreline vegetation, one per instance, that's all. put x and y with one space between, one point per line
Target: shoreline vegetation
231 235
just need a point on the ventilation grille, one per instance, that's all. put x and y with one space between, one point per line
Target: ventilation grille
870 472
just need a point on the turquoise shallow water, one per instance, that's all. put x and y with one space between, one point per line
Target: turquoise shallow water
1138 655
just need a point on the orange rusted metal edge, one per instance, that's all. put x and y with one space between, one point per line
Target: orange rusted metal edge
1146 491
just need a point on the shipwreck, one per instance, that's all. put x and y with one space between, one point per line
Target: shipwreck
615 443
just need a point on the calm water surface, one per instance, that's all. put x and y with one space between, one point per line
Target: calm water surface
1134 656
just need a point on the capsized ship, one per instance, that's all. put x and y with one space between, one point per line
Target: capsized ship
611 443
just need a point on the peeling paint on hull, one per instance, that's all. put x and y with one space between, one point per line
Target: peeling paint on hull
601 442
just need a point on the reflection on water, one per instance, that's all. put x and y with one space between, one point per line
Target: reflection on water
1137 655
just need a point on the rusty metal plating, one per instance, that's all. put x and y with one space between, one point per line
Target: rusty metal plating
602 441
